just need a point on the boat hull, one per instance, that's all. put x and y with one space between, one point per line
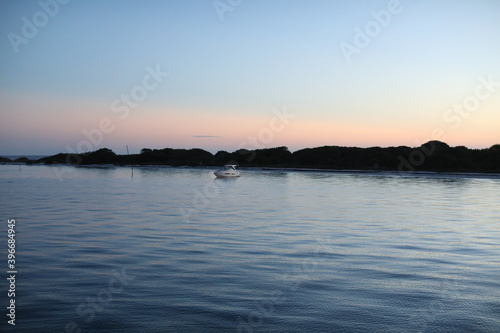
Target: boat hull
229 171
226 174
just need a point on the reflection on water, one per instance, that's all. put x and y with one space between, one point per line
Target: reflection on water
269 251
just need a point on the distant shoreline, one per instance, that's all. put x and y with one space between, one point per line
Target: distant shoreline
433 156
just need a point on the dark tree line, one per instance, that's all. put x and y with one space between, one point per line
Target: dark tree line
431 156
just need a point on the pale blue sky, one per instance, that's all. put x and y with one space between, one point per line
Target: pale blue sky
264 54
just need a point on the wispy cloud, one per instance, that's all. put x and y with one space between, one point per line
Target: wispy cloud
206 136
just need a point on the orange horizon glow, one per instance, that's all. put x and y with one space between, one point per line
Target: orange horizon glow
213 130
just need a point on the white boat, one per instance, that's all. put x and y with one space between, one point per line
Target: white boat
228 171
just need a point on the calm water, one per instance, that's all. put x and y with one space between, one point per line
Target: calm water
173 250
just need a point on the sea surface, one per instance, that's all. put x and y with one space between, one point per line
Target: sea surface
159 249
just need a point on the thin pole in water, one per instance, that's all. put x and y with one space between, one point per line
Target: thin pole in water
132 167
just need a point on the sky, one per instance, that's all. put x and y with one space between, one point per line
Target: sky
228 74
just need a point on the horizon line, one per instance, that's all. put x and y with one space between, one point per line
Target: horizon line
257 148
